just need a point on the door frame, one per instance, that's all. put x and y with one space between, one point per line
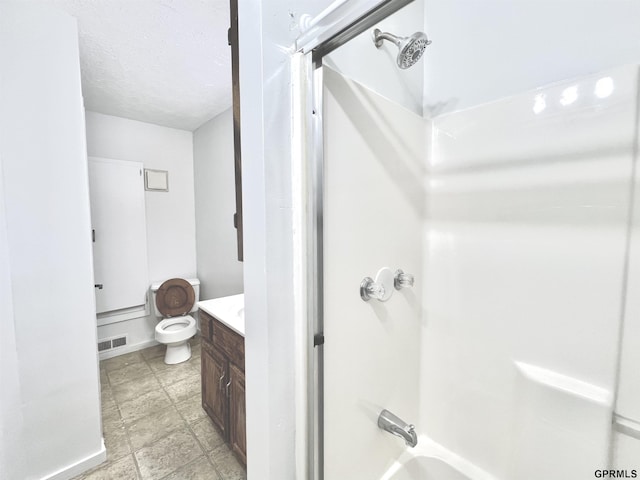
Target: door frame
336 25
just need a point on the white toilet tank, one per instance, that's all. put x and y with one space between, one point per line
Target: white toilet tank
195 283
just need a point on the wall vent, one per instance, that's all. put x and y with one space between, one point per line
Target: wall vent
111 343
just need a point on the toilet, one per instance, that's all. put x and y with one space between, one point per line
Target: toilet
173 300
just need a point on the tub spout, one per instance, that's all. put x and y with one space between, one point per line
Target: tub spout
389 422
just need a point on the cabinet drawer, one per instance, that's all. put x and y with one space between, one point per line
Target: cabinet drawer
228 342
205 325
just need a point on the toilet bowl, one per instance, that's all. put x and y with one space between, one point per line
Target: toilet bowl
174 333
173 300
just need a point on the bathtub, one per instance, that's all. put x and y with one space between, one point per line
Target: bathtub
431 461
427 468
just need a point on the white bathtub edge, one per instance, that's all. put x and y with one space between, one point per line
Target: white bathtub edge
428 448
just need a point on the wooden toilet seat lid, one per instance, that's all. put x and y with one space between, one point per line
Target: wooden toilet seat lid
175 297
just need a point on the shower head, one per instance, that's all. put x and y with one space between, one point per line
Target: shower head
411 48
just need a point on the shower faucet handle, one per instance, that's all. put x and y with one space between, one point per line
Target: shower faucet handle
370 289
403 280
381 288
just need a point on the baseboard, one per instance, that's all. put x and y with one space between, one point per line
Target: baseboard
127 349
79 467
116 352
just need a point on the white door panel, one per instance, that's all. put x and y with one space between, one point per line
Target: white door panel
119 223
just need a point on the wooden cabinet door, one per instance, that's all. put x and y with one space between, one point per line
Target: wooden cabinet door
215 377
237 414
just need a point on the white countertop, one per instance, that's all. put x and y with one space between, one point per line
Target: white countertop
229 310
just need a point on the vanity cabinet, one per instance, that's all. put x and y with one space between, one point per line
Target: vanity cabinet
223 392
237 415
215 371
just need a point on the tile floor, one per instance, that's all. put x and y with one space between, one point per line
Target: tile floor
153 423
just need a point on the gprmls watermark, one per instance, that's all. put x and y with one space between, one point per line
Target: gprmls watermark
616 473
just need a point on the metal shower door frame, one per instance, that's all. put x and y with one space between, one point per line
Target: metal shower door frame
336 25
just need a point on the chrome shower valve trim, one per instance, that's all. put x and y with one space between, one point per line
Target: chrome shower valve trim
403 280
370 289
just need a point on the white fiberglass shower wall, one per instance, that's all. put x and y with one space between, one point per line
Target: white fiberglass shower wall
526 235
373 216
513 215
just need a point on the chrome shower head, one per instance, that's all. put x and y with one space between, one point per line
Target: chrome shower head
411 48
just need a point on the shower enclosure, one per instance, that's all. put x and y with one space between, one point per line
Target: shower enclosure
468 264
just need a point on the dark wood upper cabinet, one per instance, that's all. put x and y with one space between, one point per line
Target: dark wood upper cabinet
235 80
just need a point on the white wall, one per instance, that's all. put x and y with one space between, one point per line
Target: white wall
375 163
376 68
523 204
626 451
627 419
267 31
50 412
171 237
12 455
526 241
219 270
487 50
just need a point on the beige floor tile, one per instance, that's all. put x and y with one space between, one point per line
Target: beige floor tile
128 373
116 363
106 398
136 387
147 404
111 418
157 364
153 427
200 469
154 352
155 411
115 435
175 373
227 465
104 380
117 444
167 455
196 363
123 469
89 472
184 389
191 409
207 434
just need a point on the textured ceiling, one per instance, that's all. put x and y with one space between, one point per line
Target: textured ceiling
159 61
